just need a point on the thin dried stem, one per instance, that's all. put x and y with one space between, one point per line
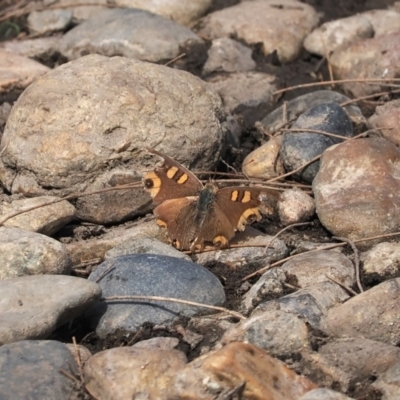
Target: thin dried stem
329 247
69 197
173 300
175 59
356 259
283 230
366 80
317 131
350 290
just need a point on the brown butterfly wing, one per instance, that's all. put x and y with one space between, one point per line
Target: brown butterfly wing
177 215
242 204
171 180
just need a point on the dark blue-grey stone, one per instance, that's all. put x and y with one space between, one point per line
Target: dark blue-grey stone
30 369
151 275
292 109
300 147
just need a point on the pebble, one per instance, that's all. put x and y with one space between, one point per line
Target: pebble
228 55
280 333
310 268
80 12
264 161
132 373
243 91
223 370
279 118
130 33
281 29
346 361
43 48
372 314
387 119
30 369
27 253
145 245
389 383
367 59
239 257
340 32
108 141
381 262
48 21
32 307
384 22
269 286
157 343
344 201
18 72
295 206
46 220
324 394
5 110
300 147
309 304
151 275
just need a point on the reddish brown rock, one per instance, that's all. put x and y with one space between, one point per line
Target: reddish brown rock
357 188
17 72
374 58
132 373
387 118
222 371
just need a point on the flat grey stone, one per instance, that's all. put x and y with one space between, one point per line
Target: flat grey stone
150 275
145 245
128 32
31 307
30 369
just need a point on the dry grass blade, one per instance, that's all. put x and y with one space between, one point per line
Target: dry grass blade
356 259
328 247
283 230
173 300
70 197
324 83
350 290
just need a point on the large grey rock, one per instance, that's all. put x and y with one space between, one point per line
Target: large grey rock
150 275
389 383
31 307
28 253
30 369
95 116
130 33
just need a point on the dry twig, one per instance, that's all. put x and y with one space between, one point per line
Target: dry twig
173 300
356 259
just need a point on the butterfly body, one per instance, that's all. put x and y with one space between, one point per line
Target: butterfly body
194 213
